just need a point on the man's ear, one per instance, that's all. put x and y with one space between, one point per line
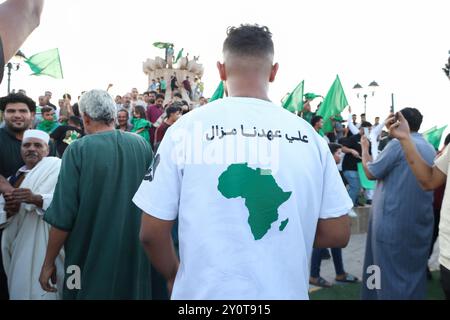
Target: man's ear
222 72
273 72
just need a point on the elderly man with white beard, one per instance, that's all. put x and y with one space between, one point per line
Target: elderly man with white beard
25 234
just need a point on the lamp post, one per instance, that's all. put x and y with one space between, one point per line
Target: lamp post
361 92
14 66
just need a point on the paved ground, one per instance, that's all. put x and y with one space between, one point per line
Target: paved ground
353 257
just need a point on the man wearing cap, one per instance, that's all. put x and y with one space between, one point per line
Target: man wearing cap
21 213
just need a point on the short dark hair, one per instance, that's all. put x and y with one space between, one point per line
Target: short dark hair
153 92
172 109
160 96
76 121
363 114
66 95
315 119
334 147
249 40
447 140
46 109
17 98
124 110
413 117
178 95
366 124
141 111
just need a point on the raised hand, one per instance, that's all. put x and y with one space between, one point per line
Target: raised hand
398 126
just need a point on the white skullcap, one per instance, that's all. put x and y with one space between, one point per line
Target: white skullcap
37 134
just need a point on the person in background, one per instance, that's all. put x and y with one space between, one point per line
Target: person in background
140 124
123 123
401 221
317 255
48 123
173 113
64 135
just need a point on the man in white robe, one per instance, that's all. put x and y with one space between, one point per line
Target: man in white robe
25 234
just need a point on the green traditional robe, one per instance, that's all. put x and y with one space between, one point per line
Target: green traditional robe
99 176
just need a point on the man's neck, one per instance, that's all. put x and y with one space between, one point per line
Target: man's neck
248 88
169 122
99 128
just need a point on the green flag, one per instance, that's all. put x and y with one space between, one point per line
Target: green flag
180 54
219 93
428 131
294 102
434 137
332 105
46 63
162 45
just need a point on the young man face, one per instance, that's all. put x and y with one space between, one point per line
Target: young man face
48 115
159 102
337 155
175 116
18 117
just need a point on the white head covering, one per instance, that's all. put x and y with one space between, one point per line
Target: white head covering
37 134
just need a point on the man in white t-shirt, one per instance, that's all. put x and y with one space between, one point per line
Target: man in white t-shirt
429 178
253 186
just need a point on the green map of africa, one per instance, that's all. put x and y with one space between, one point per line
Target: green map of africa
262 196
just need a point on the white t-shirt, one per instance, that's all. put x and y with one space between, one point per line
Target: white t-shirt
443 164
248 181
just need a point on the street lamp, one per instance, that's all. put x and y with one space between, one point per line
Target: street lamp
365 93
14 66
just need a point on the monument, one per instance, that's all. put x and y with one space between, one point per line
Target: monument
179 67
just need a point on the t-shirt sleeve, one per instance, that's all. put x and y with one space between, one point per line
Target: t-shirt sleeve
335 199
442 162
386 160
159 192
64 208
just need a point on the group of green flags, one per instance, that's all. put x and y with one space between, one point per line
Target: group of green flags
333 104
48 63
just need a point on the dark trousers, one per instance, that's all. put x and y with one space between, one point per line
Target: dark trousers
3 281
316 260
445 281
437 218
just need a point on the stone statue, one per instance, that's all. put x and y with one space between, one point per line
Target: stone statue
169 56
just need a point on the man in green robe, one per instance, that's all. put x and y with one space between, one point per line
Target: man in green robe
92 214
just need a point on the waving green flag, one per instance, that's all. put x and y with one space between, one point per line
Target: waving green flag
434 137
332 105
294 101
46 63
180 54
162 45
425 133
219 93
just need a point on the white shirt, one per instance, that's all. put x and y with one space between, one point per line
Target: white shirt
244 232
443 163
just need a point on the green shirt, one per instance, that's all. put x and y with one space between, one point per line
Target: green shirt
163 84
139 124
99 176
47 126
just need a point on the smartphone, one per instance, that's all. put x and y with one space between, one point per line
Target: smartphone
366 132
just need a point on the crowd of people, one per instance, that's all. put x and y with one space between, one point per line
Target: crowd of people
90 192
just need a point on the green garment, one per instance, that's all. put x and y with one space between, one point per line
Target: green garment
99 176
141 124
47 126
163 84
